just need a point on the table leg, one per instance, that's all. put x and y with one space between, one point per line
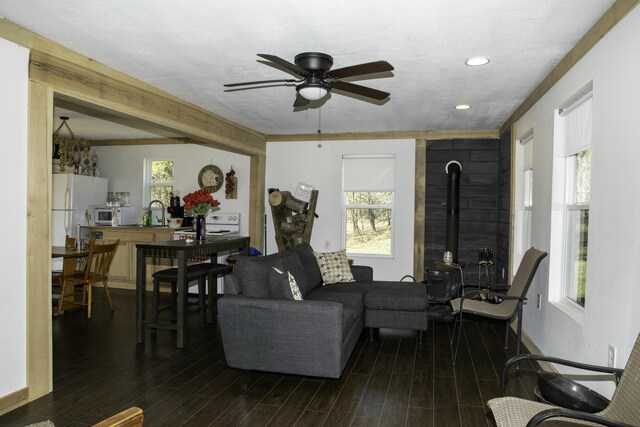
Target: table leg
212 290
141 279
182 301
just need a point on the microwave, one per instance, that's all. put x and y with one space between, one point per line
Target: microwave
125 215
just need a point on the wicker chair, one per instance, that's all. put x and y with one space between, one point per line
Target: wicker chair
511 305
623 410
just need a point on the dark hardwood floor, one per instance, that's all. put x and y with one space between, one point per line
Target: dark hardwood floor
392 381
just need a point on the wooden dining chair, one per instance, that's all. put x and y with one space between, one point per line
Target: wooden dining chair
56 275
96 270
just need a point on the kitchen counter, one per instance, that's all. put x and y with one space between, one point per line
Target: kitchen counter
122 273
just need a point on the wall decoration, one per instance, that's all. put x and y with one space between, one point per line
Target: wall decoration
210 178
231 185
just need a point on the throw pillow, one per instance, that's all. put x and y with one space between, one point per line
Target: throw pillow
334 267
283 285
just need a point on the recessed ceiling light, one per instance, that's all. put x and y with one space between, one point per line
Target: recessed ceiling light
463 107
477 60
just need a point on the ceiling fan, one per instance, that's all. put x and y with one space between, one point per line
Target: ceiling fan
316 78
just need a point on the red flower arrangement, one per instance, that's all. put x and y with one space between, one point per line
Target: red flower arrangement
200 202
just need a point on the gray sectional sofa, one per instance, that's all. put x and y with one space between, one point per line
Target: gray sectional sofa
261 330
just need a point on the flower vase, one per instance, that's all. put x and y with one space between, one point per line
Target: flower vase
200 227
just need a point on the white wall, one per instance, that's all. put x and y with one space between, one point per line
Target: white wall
124 167
611 315
13 174
320 164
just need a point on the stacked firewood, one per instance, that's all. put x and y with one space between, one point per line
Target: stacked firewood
292 218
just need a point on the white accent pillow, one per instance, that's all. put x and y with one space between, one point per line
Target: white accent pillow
334 267
283 285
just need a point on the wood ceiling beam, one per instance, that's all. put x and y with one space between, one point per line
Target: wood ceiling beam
428 135
138 102
74 75
140 141
606 22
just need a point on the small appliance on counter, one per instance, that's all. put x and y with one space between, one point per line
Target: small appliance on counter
122 215
174 209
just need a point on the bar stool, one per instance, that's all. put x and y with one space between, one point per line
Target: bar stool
211 270
194 272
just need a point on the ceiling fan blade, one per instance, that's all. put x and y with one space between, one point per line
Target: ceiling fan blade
360 90
286 64
360 69
256 87
261 82
300 101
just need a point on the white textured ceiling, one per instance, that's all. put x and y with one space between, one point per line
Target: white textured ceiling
191 48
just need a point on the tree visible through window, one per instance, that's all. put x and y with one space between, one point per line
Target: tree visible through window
579 166
368 222
160 180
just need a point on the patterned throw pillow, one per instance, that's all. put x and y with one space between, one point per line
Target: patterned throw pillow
334 267
283 285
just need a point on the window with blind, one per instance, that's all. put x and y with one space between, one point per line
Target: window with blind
368 184
577 151
527 189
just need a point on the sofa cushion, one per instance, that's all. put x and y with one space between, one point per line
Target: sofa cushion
310 266
334 267
396 296
283 285
252 272
352 298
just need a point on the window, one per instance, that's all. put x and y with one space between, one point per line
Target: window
577 232
577 129
158 180
527 183
368 204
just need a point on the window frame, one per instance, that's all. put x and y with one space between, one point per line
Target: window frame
148 183
390 207
571 206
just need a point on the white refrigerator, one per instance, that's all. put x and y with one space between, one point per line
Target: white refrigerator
73 195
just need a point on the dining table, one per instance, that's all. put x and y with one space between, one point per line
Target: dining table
70 256
181 251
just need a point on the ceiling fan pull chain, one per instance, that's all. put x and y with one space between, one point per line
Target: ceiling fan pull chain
319 120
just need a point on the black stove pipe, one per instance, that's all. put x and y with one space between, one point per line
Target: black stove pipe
453 170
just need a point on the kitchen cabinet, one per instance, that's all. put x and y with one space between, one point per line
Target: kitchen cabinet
122 274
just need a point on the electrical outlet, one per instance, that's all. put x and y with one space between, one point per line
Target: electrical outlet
539 301
611 358
327 244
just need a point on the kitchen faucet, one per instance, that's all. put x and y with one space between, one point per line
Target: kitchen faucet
162 221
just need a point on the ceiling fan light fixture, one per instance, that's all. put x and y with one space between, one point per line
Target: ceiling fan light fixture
312 91
477 61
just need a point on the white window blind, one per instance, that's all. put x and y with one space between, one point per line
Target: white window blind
369 173
527 151
577 124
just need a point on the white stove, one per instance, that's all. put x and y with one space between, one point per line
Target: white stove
217 224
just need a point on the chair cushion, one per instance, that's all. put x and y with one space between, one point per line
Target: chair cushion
206 267
334 267
171 274
283 285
